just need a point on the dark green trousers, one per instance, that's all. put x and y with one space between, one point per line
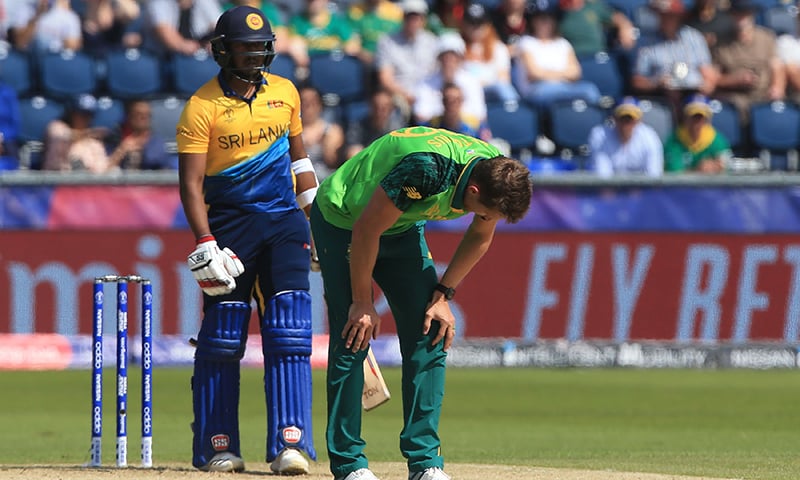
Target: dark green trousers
406 274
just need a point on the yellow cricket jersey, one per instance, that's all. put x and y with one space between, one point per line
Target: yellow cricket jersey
246 143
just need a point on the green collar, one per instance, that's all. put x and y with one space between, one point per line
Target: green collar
461 184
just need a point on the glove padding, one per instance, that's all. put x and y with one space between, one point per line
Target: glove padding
214 269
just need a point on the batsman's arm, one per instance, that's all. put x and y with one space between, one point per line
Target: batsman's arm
306 182
191 172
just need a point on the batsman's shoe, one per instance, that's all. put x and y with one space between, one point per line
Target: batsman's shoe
433 473
290 462
224 462
360 474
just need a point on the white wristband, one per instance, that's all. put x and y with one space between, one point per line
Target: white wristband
305 198
302 165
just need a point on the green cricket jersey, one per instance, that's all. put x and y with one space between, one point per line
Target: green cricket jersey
423 170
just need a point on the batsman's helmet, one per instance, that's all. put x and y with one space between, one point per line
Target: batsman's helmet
242 24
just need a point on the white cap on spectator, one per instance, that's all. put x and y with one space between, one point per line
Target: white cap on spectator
451 42
414 6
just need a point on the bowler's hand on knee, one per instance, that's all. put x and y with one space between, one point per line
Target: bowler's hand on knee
363 324
439 311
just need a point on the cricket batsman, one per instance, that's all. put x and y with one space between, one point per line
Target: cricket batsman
245 180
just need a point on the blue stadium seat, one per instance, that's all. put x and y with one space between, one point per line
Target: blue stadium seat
646 20
165 115
775 134
354 112
133 73
190 72
781 19
628 7
726 121
66 74
657 114
109 114
602 70
570 123
16 71
35 113
339 78
284 66
517 124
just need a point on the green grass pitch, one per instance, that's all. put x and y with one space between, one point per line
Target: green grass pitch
720 423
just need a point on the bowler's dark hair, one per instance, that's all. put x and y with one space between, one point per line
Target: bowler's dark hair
505 185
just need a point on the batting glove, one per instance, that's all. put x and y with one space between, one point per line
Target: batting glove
214 269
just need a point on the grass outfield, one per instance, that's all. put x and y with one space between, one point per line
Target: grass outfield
716 423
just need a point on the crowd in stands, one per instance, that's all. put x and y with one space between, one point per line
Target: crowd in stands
611 86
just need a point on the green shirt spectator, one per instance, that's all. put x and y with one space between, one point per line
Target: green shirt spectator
371 19
696 145
585 24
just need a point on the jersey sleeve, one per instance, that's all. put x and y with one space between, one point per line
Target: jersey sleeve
418 176
193 129
295 123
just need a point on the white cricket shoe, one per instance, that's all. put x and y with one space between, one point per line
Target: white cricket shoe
360 474
290 462
433 473
224 462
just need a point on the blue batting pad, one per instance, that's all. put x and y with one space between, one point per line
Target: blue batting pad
286 340
215 382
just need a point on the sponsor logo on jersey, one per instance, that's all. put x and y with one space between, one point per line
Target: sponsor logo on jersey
412 193
274 103
221 442
292 434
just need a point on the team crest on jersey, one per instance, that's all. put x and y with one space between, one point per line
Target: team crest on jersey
221 442
254 21
228 113
292 434
412 193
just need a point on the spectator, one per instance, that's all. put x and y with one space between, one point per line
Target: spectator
454 118
71 144
749 66
788 48
45 25
9 127
696 145
403 59
111 24
323 139
446 15
320 30
586 24
180 26
487 58
549 69
134 145
428 102
371 19
676 62
510 21
627 146
382 118
715 24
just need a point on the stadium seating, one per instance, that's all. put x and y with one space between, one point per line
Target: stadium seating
781 19
517 124
657 114
726 121
284 66
16 71
190 72
775 134
133 73
339 78
109 114
66 74
35 113
570 123
165 115
602 70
